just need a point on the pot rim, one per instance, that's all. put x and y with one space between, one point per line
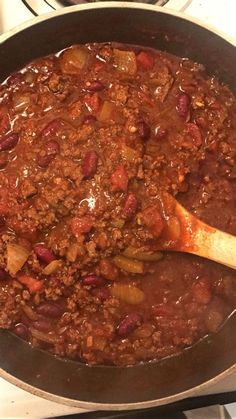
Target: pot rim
194 391
115 5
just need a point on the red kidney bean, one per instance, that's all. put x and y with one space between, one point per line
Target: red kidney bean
101 293
129 324
95 86
89 119
43 253
195 133
51 149
81 225
21 330
160 133
89 164
130 205
43 325
93 280
2 221
51 128
3 275
183 106
50 309
144 130
9 141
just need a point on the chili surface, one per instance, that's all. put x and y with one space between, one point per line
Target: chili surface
89 138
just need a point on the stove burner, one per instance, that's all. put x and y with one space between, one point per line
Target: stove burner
73 2
76 2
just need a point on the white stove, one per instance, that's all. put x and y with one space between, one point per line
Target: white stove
14 402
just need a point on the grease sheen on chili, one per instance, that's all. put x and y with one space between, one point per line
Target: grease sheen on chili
89 138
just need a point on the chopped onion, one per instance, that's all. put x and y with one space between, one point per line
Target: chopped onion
127 293
129 265
73 60
29 312
44 337
16 257
72 252
139 254
125 61
52 267
107 111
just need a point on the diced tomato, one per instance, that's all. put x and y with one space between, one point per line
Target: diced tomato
119 179
213 147
153 220
130 205
4 208
98 66
195 133
51 128
81 225
202 291
163 310
145 60
33 284
92 102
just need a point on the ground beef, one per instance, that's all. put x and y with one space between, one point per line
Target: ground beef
89 140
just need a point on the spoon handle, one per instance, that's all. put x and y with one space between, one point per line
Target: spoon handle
206 241
216 245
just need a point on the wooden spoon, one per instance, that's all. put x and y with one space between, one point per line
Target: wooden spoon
195 236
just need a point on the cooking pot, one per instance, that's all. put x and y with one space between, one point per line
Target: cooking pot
214 357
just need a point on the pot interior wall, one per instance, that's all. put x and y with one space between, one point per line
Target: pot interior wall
152 381
134 26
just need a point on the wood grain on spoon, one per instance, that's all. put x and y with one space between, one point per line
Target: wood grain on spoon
196 237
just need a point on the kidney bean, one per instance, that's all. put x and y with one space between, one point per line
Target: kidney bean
101 293
51 128
43 325
9 141
93 280
43 253
89 164
183 106
50 309
21 330
89 119
3 275
195 133
130 205
129 324
144 130
95 86
2 221
81 225
50 150
160 133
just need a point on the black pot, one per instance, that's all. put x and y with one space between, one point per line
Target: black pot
153 383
